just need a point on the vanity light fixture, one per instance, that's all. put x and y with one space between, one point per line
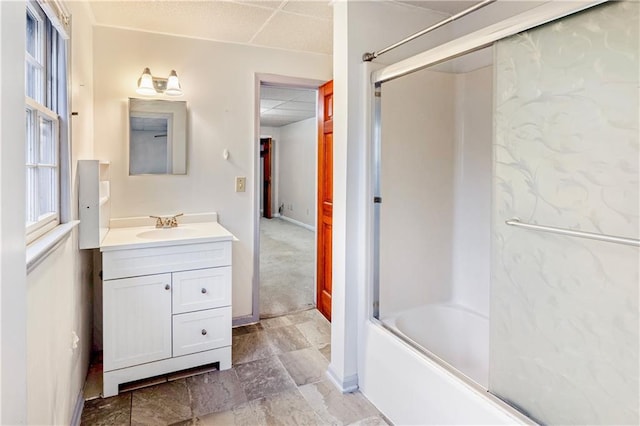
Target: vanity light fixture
149 85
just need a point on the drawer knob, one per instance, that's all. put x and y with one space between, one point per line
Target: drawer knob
204 332
167 287
204 290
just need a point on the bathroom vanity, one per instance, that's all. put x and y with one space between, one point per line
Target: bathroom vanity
166 300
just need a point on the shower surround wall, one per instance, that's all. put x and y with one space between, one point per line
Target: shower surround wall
436 189
564 314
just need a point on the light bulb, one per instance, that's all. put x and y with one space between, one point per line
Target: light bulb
145 84
173 85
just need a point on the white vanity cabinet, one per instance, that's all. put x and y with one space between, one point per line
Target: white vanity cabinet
165 308
137 320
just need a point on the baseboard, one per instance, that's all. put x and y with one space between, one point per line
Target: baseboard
248 319
347 385
276 215
77 410
297 222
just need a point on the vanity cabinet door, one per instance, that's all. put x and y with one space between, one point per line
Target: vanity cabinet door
201 331
201 289
137 320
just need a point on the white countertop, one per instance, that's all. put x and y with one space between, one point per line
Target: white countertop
189 233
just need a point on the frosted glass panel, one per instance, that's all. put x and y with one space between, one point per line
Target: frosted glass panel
564 311
434 218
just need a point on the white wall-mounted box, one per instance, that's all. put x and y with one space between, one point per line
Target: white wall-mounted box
93 202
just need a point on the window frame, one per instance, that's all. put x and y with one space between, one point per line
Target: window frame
43 223
45 176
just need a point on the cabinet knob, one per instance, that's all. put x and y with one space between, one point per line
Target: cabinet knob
167 287
204 290
204 332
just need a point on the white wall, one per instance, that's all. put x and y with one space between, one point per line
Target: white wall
13 300
359 27
59 289
297 164
218 81
473 169
436 189
41 375
416 214
58 294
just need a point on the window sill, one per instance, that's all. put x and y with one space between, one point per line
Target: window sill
45 245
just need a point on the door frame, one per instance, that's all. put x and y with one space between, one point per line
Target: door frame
280 80
267 163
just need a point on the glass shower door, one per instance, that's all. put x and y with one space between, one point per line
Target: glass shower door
564 310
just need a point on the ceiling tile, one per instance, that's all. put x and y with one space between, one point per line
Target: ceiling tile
265 3
307 96
318 9
287 113
216 20
297 32
280 93
450 7
280 105
297 106
269 103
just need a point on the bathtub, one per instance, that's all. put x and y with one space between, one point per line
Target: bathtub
451 334
414 386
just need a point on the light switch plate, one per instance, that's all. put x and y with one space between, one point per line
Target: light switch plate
241 183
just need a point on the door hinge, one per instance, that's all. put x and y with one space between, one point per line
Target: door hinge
377 200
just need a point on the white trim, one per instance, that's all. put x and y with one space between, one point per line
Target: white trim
44 224
35 105
267 79
482 38
297 222
77 409
347 385
58 14
46 244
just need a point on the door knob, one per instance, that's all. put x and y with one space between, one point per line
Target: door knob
167 287
204 290
204 332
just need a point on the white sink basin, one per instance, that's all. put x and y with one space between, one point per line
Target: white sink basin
169 233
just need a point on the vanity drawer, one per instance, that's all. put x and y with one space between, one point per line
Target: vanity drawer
201 331
157 260
201 289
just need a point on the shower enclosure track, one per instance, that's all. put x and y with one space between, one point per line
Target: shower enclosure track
573 233
369 56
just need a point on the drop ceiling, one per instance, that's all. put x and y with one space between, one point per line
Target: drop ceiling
299 25
292 25
280 106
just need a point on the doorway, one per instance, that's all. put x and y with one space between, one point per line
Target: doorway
287 182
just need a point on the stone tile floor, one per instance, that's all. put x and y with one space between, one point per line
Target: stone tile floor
278 378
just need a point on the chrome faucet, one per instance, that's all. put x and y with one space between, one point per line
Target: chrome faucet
166 221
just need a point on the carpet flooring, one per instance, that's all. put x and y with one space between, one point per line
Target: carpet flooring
287 268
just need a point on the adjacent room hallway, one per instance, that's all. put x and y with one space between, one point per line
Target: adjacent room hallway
287 265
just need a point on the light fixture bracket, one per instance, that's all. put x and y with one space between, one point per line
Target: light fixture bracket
160 84
148 85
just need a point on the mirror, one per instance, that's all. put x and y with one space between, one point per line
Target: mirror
157 137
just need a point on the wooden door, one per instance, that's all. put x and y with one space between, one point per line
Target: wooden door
266 145
325 197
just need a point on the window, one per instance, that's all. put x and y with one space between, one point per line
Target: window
45 104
